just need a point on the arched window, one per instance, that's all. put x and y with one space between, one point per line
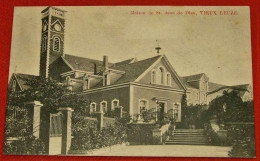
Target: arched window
114 104
103 106
44 43
56 44
93 107
161 75
153 76
168 77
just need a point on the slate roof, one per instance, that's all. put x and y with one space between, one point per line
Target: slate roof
84 64
128 61
22 78
214 86
192 77
241 87
134 70
187 84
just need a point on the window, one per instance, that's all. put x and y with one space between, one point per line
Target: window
85 84
197 96
93 107
14 86
114 104
153 76
168 77
161 75
44 43
103 106
188 95
56 44
143 105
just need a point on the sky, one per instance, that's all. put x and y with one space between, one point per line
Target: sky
218 45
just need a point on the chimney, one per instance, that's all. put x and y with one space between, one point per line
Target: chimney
95 68
105 62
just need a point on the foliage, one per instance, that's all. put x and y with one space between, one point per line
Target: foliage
140 134
212 136
87 136
25 145
243 141
193 115
230 108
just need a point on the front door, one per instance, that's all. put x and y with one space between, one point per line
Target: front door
161 110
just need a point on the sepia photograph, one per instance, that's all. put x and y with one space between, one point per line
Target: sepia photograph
147 81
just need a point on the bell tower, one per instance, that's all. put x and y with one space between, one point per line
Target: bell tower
52 38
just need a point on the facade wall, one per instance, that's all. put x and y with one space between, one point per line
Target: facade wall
147 79
120 93
149 94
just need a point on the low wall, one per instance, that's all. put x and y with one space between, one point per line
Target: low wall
108 121
140 133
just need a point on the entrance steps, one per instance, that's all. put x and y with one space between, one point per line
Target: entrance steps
187 137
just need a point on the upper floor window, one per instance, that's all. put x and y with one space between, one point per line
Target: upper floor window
56 44
168 77
114 104
188 95
161 75
153 76
103 106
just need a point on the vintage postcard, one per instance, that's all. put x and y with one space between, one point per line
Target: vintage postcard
131 81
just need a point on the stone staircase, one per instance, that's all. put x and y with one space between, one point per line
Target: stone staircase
187 137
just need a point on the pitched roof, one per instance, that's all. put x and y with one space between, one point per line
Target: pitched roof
83 64
193 77
214 86
23 78
128 61
134 70
241 87
188 85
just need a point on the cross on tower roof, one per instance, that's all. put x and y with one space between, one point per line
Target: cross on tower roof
158 47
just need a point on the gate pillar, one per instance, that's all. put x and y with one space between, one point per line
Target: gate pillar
66 129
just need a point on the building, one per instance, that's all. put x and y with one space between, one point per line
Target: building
136 85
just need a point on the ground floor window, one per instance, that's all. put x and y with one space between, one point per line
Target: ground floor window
93 107
114 103
103 106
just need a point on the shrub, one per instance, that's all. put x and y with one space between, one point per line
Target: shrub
25 145
140 133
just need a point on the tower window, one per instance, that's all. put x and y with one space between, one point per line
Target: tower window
56 44
44 43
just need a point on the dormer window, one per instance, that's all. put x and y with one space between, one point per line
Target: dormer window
85 83
56 44
106 79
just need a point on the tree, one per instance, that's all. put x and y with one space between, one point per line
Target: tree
52 95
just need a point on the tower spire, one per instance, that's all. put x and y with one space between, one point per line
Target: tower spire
158 48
